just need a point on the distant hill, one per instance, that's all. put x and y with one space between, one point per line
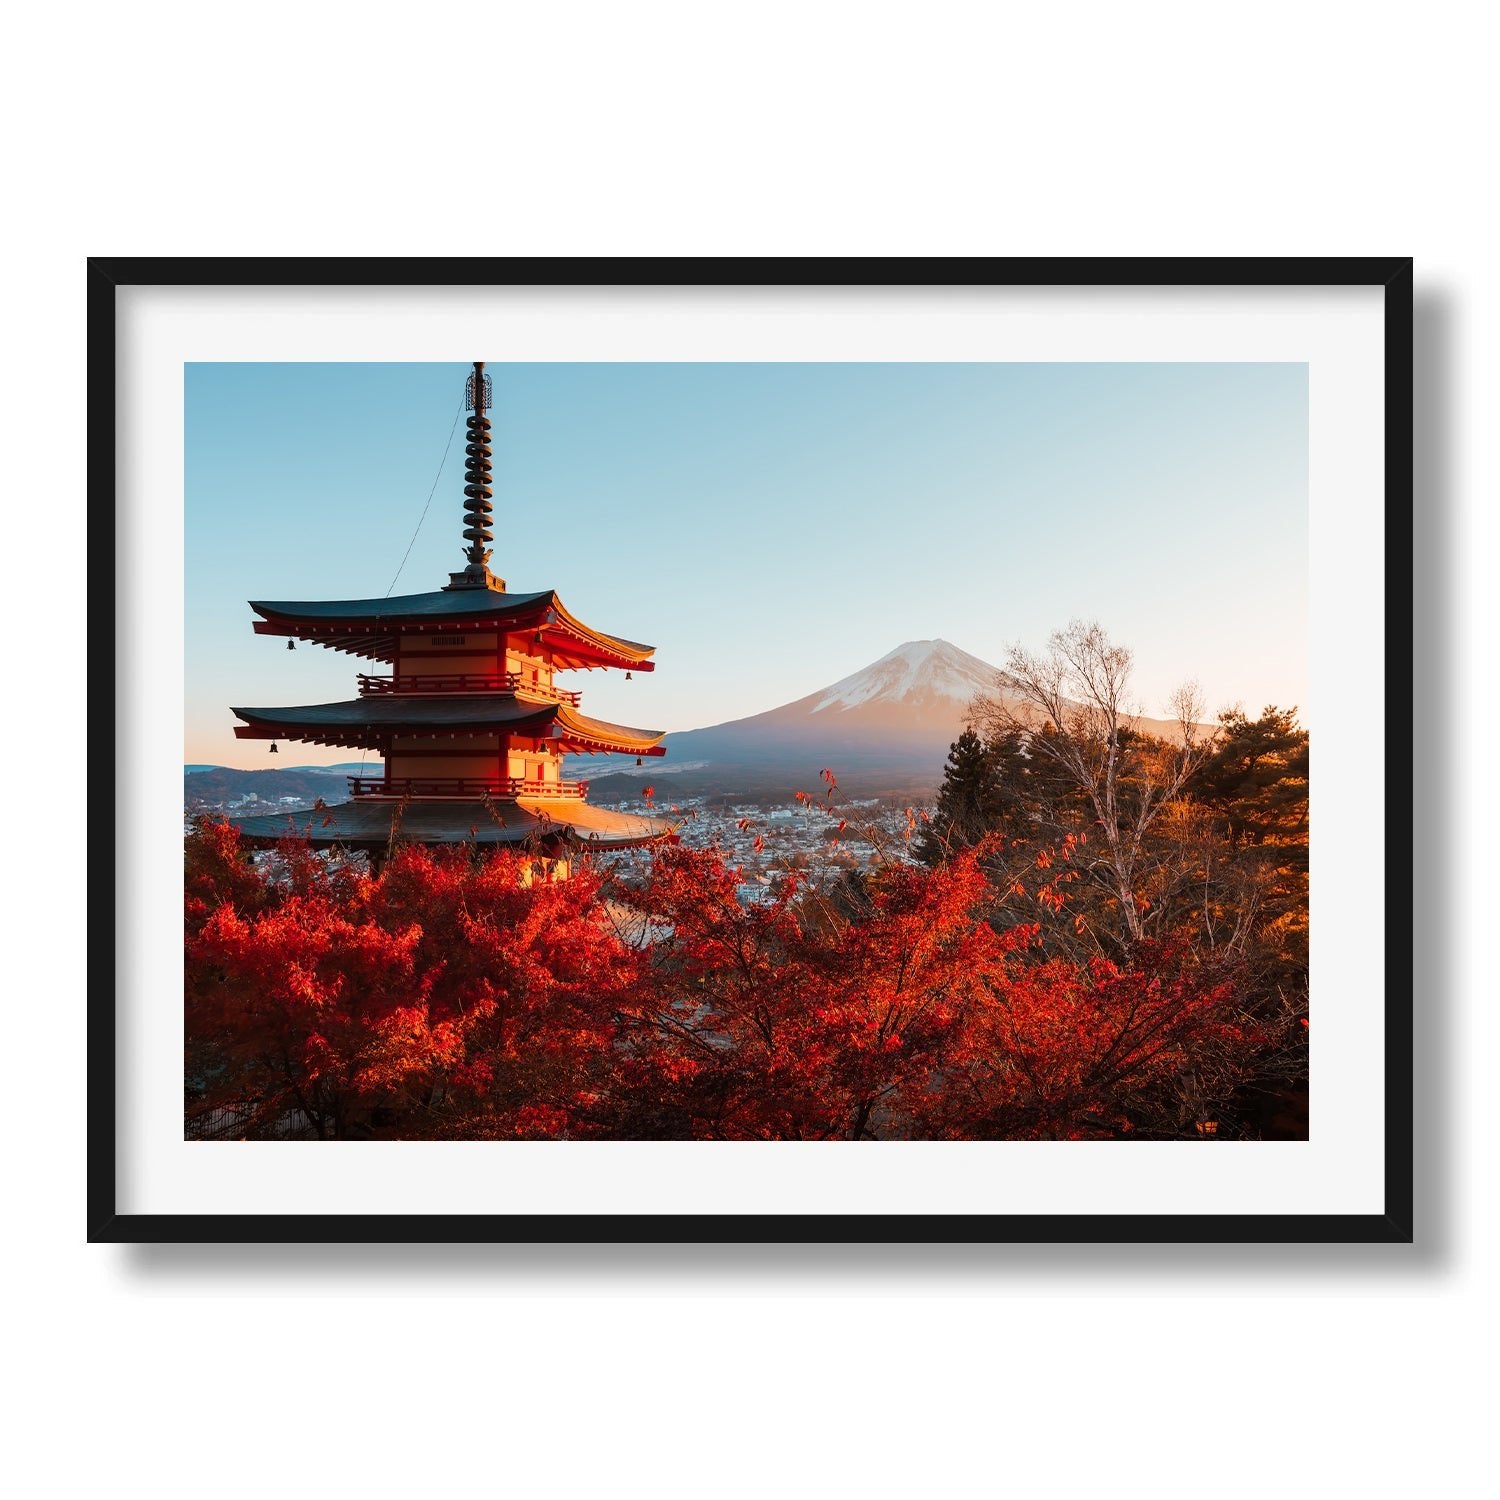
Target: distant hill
217 785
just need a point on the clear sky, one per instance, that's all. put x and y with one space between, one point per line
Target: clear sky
769 527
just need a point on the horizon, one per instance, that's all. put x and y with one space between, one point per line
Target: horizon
728 544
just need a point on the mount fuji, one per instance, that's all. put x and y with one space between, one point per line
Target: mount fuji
886 727
910 685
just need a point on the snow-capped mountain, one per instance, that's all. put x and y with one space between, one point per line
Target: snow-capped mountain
919 673
898 715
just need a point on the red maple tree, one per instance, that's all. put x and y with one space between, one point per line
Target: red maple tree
460 995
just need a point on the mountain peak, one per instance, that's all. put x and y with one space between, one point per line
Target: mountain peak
915 670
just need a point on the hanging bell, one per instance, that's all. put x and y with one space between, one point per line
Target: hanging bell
638 760
274 750
291 645
536 640
628 677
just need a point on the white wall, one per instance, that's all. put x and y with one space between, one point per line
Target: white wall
683 129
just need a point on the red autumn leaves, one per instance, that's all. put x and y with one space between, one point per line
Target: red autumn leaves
458 997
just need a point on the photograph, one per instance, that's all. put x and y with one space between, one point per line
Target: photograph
878 751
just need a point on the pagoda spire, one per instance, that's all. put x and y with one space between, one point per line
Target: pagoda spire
478 495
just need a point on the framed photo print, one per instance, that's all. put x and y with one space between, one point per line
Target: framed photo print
721 750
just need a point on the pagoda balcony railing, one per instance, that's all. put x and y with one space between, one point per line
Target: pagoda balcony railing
463 682
463 786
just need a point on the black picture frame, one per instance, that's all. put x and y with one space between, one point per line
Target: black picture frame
105 1223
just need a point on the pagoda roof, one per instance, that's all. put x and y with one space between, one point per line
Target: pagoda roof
369 627
367 721
366 823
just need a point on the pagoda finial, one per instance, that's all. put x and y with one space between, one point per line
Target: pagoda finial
477 471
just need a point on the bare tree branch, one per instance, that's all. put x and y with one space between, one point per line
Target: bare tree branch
1069 703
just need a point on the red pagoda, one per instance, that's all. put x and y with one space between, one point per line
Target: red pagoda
469 722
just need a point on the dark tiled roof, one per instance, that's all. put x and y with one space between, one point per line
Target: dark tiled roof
440 604
366 823
416 712
490 711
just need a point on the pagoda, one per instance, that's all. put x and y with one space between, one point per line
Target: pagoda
469 721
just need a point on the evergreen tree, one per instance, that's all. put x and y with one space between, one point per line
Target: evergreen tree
970 802
1256 779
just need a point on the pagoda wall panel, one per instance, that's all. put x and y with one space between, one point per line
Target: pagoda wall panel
402 764
435 643
469 755
471 652
446 664
457 744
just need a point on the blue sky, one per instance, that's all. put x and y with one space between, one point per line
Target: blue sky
769 527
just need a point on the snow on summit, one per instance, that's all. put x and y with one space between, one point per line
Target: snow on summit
914 671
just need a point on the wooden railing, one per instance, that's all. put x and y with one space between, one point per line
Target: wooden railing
463 786
463 682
